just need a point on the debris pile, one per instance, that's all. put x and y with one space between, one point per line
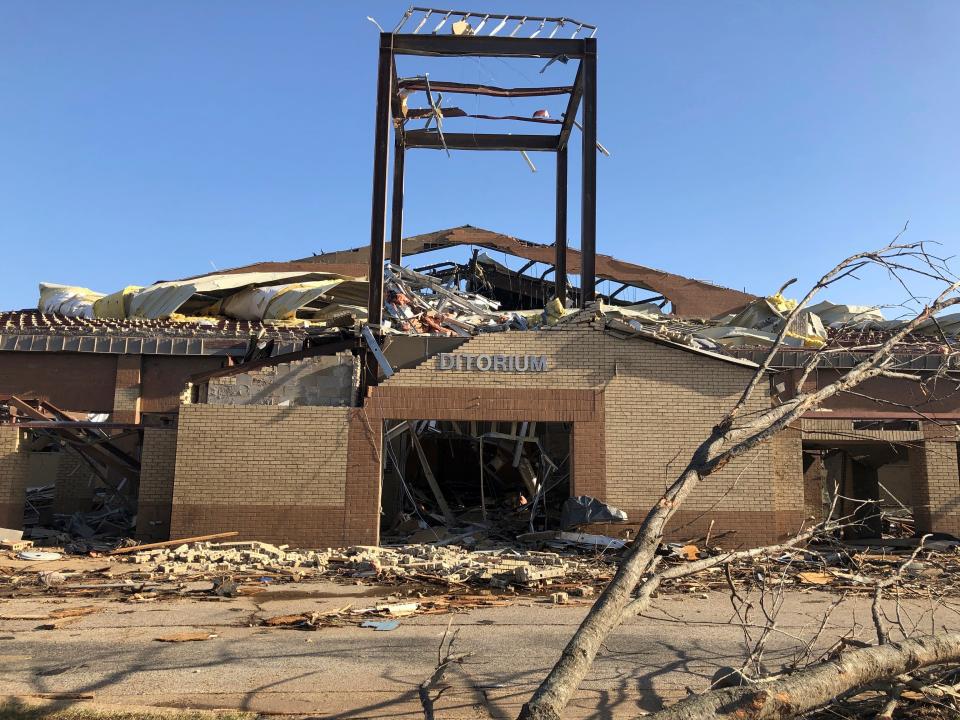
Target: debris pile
852 568
418 304
449 565
39 504
484 483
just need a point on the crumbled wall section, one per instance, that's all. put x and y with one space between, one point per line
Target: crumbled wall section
937 491
639 410
322 380
14 474
278 474
158 458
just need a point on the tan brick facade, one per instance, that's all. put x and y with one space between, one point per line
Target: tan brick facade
271 473
311 475
158 460
938 480
638 407
14 474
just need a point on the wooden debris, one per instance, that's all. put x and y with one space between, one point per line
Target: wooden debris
815 578
171 543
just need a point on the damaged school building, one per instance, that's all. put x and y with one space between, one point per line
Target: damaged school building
380 393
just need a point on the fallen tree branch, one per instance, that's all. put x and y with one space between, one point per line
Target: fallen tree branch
817 685
737 433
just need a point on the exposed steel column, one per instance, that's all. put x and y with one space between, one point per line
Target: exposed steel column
560 241
378 209
396 220
588 211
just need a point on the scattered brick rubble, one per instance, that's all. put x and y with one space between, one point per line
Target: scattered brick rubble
446 565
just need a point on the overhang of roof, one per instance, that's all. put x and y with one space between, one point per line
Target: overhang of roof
690 298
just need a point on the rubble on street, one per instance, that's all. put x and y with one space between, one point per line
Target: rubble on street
464 578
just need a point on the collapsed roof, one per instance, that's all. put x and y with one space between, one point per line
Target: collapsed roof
689 298
327 291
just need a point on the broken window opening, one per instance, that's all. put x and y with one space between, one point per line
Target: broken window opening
873 483
473 481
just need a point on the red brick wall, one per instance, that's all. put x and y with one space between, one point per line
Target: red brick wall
164 377
82 382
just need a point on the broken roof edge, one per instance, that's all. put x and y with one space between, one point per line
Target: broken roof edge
338 344
619 328
690 297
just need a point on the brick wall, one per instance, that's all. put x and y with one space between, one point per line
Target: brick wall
278 474
638 407
158 459
14 473
311 475
126 396
937 492
79 382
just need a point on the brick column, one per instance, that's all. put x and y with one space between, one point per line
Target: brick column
788 481
937 478
588 452
126 394
158 460
14 474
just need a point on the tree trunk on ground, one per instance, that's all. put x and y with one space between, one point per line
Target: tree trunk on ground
817 685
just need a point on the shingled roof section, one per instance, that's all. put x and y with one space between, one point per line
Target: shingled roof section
30 330
690 298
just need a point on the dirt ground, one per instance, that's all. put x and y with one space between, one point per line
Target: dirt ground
113 655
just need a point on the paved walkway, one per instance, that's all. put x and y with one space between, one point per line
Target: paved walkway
353 672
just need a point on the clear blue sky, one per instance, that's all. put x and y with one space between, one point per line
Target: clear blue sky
751 140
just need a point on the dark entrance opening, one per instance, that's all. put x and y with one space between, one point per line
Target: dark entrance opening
467 481
870 483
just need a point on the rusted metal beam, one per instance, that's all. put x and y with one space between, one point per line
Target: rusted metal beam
486 46
419 84
560 241
455 112
396 214
378 208
378 203
470 141
588 207
573 106
82 425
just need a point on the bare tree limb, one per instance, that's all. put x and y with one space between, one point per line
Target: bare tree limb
727 441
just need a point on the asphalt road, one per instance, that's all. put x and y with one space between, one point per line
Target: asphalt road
352 672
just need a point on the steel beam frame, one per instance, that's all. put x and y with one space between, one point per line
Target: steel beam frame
396 215
588 196
583 91
560 239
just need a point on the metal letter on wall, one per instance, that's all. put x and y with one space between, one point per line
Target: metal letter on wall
493 363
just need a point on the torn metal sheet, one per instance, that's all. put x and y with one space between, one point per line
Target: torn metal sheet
165 298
